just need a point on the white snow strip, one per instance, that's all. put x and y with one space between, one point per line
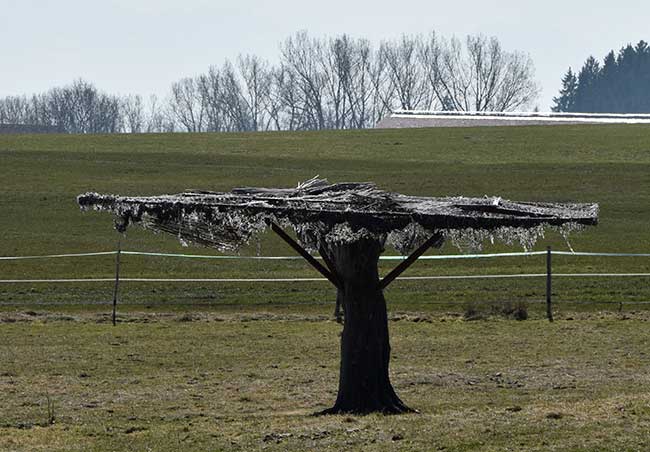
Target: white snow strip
529 114
572 119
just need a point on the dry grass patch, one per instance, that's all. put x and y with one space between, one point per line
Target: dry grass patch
229 384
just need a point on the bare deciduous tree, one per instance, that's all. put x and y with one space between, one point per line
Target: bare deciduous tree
255 89
133 111
280 111
186 105
336 66
406 73
232 99
481 76
286 100
157 120
300 55
209 86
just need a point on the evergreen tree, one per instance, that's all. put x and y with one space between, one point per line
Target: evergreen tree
620 85
587 96
566 100
626 78
610 91
642 82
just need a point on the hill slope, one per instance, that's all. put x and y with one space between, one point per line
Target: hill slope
42 174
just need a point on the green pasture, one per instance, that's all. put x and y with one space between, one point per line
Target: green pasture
234 382
42 174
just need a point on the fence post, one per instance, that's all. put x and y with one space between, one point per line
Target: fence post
549 307
117 279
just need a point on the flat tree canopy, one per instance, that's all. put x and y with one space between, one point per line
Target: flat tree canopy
322 212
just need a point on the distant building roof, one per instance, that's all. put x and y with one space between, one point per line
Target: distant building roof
414 118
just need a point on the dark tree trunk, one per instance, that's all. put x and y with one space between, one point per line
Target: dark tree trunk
364 383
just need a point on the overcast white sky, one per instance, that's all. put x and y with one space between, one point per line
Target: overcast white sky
142 46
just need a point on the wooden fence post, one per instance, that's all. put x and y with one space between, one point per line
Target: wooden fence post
117 279
549 307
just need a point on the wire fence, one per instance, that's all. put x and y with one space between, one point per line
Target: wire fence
299 258
549 275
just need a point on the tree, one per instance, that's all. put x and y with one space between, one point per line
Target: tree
336 65
479 76
567 98
14 110
133 111
406 73
157 119
255 90
349 225
619 85
187 106
587 98
609 91
235 109
366 107
285 101
211 93
300 55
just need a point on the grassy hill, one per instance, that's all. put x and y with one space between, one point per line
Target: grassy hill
42 174
248 376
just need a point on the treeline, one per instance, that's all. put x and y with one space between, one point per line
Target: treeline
318 83
81 108
621 84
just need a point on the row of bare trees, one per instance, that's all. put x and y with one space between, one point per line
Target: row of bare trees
318 83
78 108
81 108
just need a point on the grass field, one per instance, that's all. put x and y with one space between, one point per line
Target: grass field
41 175
243 366
232 382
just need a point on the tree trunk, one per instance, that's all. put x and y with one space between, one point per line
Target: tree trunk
364 383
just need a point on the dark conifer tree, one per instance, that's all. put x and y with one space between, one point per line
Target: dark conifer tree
626 78
610 95
566 100
620 85
642 72
587 95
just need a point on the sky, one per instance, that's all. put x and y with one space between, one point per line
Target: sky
142 46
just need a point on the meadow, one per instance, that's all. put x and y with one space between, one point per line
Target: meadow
223 382
242 366
41 176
